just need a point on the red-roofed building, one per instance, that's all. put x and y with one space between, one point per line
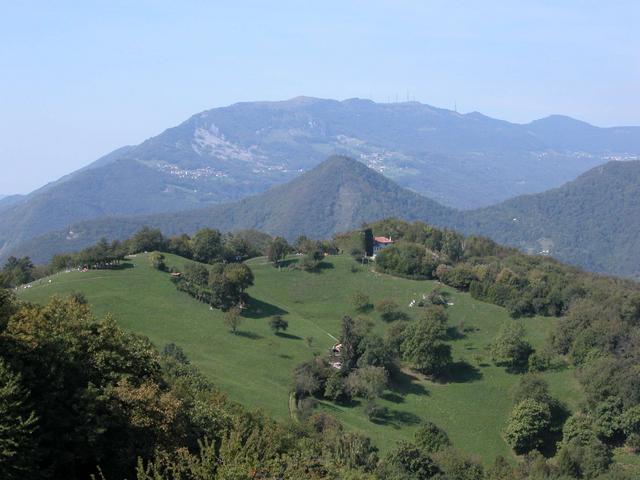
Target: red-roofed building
379 243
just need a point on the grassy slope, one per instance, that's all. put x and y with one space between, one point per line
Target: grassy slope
255 366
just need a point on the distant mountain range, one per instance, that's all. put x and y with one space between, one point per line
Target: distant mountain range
337 195
593 221
230 153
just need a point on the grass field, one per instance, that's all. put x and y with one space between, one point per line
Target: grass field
254 367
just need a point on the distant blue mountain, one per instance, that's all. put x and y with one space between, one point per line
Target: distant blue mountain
225 154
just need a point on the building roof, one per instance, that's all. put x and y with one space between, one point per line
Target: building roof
382 240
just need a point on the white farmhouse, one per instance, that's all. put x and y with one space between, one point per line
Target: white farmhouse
379 243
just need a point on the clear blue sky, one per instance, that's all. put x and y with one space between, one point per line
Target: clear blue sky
81 78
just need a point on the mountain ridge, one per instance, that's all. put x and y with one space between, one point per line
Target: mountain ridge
338 195
225 154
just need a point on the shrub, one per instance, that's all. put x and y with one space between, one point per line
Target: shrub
232 319
277 324
156 260
388 310
431 438
361 302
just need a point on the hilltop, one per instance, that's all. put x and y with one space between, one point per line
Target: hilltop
338 195
225 154
255 366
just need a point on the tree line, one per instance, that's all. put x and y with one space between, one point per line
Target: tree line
206 246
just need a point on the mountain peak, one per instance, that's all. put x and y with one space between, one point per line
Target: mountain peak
560 121
341 162
338 195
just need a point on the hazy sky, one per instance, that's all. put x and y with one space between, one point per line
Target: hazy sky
79 79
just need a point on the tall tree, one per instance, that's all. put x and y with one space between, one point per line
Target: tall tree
17 427
232 319
510 348
206 245
423 346
452 245
350 341
277 250
17 271
147 240
367 382
528 424
367 238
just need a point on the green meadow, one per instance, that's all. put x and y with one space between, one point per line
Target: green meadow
254 366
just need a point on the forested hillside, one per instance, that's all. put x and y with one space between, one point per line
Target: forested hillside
593 221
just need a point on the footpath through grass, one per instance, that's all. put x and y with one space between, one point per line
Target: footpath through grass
254 366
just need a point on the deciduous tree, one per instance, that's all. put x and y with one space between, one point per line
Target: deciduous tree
232 319
424 348
510 348
528 425
277 250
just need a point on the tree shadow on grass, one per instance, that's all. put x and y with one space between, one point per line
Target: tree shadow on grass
404 384
122 266
454 333
557 366
396 418
249 335
288 336
259 309
463 372
392 397
324 266
335 406
319 268
559 414
394 316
